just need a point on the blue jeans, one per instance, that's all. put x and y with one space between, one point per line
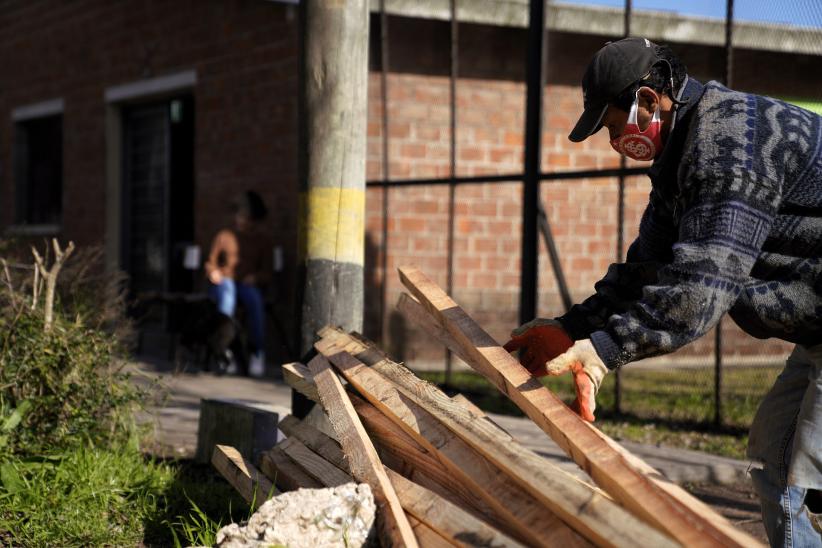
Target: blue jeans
226 293
786 437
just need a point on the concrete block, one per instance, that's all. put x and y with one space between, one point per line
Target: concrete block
247 425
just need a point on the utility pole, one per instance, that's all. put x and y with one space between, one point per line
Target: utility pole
332 160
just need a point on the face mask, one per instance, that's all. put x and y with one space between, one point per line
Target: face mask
636 144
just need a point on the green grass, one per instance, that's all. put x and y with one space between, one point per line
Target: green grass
673 407
112 497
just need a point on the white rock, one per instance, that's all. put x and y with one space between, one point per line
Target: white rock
341 516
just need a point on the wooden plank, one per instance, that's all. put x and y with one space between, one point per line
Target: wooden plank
449 520
367 352
320 467
252 485
294 375
313 464
286 475
362 456
404 455
398 451
316 441
643 495
533 523
585 509
413 310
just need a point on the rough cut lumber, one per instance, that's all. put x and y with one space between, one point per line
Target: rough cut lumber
329 475
252 485
313 464
449 520
404 455
316 441
365 463
368 353
533 522
641 494
295 375
286 475
579 505
399 451
413 310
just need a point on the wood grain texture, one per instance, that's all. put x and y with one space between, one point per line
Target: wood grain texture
449 522
533 523
286 475
578 504
252 485
362 456
313 464
642 494
316 441
294 374
447 519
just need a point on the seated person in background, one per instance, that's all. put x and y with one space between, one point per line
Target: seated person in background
238 266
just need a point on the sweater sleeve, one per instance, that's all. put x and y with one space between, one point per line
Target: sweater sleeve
623 283
726 217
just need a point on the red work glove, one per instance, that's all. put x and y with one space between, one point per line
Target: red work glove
539 341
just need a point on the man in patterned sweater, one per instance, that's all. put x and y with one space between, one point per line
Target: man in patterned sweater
733 224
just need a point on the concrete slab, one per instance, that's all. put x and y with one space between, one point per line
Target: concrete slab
175 411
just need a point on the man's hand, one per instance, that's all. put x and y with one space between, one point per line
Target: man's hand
588 369
539 341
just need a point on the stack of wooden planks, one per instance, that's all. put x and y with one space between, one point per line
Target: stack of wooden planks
443 474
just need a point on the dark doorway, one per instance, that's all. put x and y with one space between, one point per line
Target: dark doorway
158 197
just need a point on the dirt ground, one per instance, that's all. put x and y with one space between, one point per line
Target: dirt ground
738 503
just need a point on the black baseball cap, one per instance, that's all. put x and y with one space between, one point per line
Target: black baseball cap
613 68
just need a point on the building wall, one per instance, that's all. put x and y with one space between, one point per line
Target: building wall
490 103
245 55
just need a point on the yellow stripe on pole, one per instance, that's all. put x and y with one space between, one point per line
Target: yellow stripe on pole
335 222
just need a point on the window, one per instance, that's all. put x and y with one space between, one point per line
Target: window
38 170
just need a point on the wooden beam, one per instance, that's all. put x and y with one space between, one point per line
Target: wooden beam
641 494
286 475
315 465
294 375
533 523
398 451
252 485
368 353
585 508
449 520
413 310
404 455
316 441
321 468
362 456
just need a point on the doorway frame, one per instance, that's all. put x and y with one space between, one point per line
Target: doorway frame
116 98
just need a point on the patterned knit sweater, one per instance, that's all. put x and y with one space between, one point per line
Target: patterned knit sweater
734 224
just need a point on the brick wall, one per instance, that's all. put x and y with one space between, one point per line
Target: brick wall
487 223
245 55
